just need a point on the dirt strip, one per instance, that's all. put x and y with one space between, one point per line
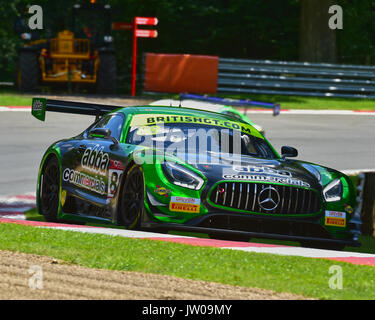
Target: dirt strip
26 276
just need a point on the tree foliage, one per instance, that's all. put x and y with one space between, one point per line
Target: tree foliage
255 29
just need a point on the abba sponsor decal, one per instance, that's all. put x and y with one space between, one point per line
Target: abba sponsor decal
335 218
95 160
182 204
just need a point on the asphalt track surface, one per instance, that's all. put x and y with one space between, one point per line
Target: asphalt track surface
342 142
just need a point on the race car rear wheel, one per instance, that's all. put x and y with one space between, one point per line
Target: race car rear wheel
131 207
50 189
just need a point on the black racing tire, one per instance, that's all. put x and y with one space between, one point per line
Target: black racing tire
228 236
28 71
106 77
131 205
49 195
321 245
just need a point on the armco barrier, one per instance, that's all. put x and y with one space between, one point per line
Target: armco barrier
295 78
209 74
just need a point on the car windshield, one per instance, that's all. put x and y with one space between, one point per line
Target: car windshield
202 136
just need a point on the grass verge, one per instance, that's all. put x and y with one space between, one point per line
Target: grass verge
305 276
10 97
13 98
368 243
300 102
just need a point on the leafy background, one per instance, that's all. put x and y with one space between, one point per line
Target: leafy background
255 29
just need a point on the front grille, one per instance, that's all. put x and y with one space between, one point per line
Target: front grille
265 198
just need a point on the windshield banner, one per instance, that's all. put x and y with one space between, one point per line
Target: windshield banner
154 119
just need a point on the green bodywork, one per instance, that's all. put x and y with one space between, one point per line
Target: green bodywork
155 181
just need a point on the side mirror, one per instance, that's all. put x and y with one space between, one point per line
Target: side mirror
104 134
289 152
100 133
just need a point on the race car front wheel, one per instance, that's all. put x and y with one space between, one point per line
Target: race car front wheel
132 199
49 190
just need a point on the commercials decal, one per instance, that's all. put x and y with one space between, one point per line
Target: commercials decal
98 166
83 180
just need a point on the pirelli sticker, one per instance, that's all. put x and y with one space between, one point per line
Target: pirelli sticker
335 219
182 204
154 120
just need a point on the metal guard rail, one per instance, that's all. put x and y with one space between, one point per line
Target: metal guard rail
295 78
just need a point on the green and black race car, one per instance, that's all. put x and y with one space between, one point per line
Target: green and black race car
167 168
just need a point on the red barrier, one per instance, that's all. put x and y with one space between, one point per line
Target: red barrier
181 73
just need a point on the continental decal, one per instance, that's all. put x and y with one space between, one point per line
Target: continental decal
282 180
141 120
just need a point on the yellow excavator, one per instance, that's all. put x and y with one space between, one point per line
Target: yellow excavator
84 55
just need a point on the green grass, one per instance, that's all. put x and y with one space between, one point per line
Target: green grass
368 242
305 276
294 102
9 97
299 102
13 98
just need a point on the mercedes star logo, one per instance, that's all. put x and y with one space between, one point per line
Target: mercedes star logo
269 198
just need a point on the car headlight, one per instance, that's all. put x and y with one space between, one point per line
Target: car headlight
333 191
181 176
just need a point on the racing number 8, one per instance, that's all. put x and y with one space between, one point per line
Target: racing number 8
114 179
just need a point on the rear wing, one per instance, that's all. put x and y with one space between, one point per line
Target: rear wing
41 105
235 102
